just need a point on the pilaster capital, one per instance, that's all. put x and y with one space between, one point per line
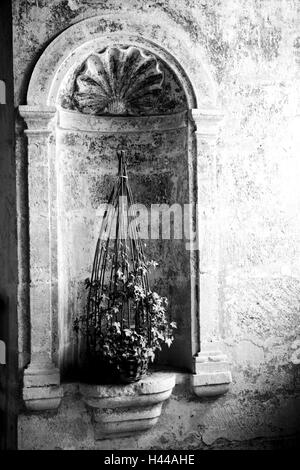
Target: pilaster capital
207 122
38 118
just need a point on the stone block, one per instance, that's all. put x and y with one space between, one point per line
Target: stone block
212 374
43 378
211 378
42 389
42 398
123 429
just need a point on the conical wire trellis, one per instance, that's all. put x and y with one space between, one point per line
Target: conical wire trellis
119 257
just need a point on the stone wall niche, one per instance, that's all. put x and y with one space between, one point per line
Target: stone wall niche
121 97
96 89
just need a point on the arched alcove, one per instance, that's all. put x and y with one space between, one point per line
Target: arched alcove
71 156
122 97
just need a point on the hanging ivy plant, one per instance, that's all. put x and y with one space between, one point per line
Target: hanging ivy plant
121 346
125 323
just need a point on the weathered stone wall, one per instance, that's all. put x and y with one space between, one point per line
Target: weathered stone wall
250 48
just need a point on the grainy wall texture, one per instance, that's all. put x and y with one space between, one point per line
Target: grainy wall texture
251 48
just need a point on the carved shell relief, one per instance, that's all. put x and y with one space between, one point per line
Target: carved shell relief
119 81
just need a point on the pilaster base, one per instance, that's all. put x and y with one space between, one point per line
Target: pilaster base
42 390
212 375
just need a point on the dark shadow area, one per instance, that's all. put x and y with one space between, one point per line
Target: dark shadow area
8 239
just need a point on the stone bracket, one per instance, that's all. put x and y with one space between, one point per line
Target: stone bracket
124 410
212 375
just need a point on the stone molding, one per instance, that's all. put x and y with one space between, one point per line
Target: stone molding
37 118
72 120
124 410
212 376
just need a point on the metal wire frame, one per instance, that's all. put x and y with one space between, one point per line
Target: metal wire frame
119 250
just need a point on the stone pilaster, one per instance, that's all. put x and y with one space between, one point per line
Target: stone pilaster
42 389
212 375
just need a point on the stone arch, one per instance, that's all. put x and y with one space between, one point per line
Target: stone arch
160 36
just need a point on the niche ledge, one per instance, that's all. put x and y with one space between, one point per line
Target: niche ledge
124 410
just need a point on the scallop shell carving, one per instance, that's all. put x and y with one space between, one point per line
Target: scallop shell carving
119 81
